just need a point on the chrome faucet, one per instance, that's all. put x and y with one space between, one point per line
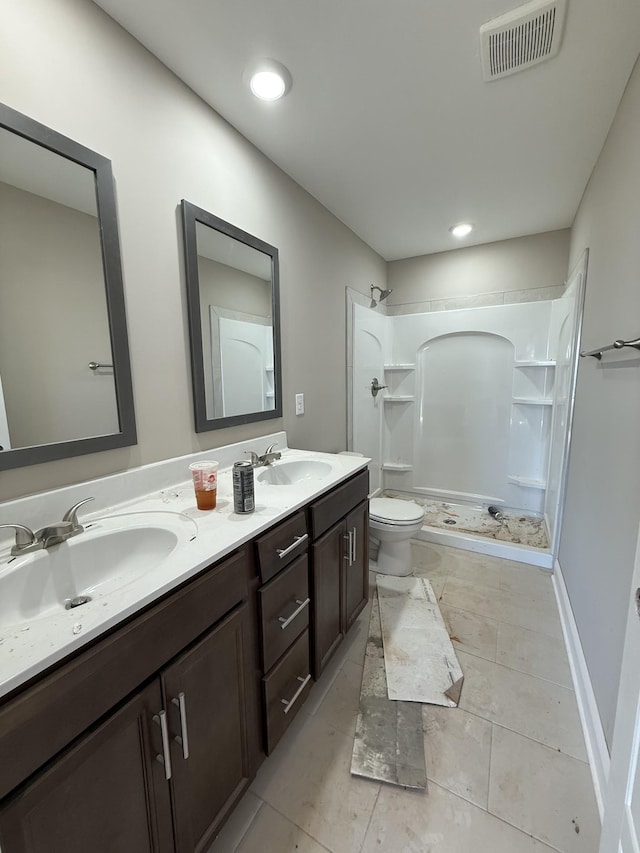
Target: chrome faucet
267 457
53 534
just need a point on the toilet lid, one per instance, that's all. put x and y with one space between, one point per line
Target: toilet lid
395 511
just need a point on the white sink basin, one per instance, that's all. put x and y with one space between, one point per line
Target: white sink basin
295 471
107 556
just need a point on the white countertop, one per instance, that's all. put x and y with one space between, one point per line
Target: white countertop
29 648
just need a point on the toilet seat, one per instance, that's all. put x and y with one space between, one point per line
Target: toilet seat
395 512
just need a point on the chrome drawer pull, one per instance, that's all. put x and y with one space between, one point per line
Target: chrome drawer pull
183 737
164 759
289 703
296 541
289 620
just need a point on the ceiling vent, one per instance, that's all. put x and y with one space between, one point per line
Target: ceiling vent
521 38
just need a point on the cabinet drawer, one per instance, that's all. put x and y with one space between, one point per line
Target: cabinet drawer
284 610
286 688
328 510
279 547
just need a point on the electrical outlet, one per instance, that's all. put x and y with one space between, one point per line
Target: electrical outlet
299 404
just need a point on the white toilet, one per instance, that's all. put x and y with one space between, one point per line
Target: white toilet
393 522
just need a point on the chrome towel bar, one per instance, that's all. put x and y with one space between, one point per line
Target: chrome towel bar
94 365
597 353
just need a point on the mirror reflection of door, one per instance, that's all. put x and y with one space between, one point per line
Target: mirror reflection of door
237 327
242 358
53 309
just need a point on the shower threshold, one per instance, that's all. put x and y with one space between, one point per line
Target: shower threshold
520 537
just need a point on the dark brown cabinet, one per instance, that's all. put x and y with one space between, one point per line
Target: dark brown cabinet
207 724
106 793
339 565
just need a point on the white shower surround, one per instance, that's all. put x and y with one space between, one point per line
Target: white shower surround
493 366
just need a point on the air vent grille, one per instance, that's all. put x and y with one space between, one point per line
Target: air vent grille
521 38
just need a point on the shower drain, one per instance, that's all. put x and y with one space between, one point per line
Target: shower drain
449 521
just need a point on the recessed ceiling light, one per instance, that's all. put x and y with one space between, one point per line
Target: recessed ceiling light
269 80
461 229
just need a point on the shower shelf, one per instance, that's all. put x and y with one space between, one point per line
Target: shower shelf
527 482
399 398
535 364
533 401
390 367
396 466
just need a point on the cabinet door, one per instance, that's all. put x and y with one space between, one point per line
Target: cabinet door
105 794
328 555
211 729
356 566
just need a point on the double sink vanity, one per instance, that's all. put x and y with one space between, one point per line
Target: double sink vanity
136 720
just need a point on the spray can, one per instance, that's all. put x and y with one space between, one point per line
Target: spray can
243 494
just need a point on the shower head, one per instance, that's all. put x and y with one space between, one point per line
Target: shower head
383 295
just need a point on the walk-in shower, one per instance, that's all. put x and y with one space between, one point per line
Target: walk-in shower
475 414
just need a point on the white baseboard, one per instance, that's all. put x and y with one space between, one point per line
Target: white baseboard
596 744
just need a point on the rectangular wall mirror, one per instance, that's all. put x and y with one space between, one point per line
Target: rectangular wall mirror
65 380
233 304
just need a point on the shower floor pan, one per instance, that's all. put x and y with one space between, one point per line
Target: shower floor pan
520 537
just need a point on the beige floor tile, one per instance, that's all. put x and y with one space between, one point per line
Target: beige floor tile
440 822
470 632
430 560
273 833
538 709
458 751
527 580
533 652
310 783
238 824
543 792
340 706
526 611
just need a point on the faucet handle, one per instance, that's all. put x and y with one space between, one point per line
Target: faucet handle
24 537
255 459
72 517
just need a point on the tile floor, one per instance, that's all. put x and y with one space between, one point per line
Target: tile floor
507 769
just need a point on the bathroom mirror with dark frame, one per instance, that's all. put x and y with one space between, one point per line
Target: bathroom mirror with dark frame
234 322
65 377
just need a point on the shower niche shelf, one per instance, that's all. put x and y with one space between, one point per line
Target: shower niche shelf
533 401
521 364
396 466
391 367
399 398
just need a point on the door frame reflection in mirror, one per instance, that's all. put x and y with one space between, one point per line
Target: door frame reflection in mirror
37 133
191 217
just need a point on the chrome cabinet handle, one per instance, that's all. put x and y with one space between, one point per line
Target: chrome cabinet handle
289 703
347 556
354 556
164 759
296 541
183 737
286 622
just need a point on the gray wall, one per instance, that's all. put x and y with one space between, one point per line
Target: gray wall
603 497
69 66
520 270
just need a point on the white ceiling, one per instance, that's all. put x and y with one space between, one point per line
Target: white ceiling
389 124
